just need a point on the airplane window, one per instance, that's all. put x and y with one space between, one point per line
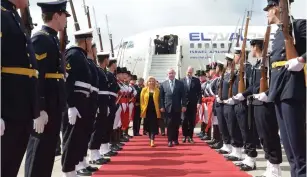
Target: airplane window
191 45
199 45
207 45
222 45
214 45
130 45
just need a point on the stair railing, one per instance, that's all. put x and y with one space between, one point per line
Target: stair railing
179 58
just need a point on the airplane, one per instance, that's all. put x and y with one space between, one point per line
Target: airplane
196 46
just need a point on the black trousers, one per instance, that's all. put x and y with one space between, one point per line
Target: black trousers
101 125
233 126
74 135
222 123
137 120
173 123
188 124
267 129
291 118
247 132
161 123
13 146
89 124
42 147
111 117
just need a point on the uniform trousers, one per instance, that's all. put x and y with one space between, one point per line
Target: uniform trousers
173 123
42 147
247 133
291 118
89 124
188 124
233 126
219 108
137 120
75 134
111 117
101 124
13 146
267 128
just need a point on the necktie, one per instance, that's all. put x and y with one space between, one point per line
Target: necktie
189 82
172 85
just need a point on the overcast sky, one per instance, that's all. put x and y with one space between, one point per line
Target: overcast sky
129 17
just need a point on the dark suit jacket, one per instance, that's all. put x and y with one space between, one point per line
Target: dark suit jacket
172 101
139 90
194 92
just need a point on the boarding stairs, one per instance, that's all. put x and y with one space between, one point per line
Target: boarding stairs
160 65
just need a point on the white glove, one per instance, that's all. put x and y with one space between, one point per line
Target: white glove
218 99
294 65
135 92
239 97
72 115
261 97
45 115
230 101
108 112
40 122
2 126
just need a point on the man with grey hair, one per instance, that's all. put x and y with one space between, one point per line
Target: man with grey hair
193 92
172 103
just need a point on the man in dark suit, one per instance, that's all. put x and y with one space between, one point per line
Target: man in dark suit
137 111
193 90
172 102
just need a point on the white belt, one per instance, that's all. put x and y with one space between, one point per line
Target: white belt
113 94
103 92
86 85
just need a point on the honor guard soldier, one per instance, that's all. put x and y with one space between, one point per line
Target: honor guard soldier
287 85
264 114
227 108
78 86
113 94
205 94
240 132
99 135
19 89
125 114
216 142
137 108
41 147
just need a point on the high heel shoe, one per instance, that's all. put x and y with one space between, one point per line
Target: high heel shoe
152 143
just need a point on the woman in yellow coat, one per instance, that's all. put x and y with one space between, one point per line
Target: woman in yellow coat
150 107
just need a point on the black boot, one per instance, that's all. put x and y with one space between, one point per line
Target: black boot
207 136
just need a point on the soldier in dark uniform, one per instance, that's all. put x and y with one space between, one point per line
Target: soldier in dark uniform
78 85
287 90
100 135
222 108
264 115
41 147
242 136
114 144
19 88
157 43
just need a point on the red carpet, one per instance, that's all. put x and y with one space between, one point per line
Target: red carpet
138 159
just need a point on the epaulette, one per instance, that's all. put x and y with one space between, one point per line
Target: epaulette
3 9
43 32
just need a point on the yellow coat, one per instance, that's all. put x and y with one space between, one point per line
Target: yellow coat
144 101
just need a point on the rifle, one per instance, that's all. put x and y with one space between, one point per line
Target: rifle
98 31
63 43
284 23
241 85
77 27
27 20
87 13
110 37
264 79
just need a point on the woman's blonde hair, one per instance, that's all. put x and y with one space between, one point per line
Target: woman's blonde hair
151 77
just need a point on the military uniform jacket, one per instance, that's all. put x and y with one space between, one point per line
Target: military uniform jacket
19 93
138 95
49 59
113 85
203 89
285 84
79 77
247 73
226 85
103 86
94 80
254 80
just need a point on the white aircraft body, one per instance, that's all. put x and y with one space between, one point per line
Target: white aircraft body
196 47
